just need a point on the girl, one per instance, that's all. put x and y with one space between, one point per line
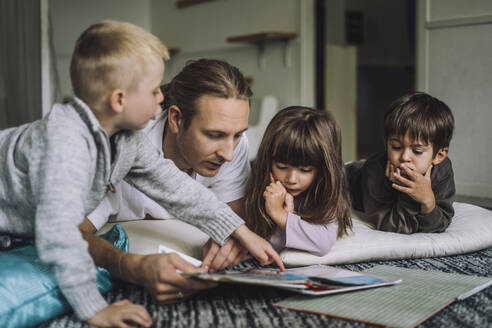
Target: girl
297 194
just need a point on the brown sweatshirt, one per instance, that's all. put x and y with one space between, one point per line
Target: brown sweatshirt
390 210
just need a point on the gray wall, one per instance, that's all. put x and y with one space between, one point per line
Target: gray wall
455 65
20 62
201 31
71 17
454 61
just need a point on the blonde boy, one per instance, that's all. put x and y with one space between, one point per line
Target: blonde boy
55 171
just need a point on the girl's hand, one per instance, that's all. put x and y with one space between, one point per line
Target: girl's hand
278 202
119 313
289 203
261 249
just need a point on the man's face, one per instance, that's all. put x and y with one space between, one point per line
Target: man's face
213 133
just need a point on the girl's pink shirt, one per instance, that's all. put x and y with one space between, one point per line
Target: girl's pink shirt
317 239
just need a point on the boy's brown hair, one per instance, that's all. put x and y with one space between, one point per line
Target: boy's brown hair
110 55
424 117
204 77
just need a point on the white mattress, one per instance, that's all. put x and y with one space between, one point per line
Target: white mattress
470 230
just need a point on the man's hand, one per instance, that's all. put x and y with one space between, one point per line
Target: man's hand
217 258
118 313
417 186
261 249
158 273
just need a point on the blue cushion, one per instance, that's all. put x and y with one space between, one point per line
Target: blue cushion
29 294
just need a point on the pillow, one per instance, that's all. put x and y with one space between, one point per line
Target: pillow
469 231
146 235
29 294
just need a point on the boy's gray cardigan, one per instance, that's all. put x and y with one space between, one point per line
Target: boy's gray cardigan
56 170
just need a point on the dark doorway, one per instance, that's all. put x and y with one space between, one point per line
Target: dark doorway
384 34
386 66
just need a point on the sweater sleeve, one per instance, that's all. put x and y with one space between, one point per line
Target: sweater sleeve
314 238
394 211
59 174
179 194
100 216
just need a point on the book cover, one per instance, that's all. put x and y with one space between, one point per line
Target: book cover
420 295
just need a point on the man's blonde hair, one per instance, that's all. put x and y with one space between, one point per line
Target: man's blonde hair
111 55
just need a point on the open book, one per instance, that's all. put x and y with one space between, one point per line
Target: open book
310 280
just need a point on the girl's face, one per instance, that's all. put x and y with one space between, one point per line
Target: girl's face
295 179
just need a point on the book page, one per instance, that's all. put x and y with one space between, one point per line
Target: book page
167 250
336 276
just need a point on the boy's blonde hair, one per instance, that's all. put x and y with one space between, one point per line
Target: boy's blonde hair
111 55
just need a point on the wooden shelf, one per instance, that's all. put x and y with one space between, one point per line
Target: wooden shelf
249 80
173 51
263 37
260 39
187 3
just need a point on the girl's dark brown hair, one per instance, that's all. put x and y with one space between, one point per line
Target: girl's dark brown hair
301 136
424 117
204 77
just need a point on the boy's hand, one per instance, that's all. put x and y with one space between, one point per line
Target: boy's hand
417 186
217 258
389 172
119 313
278 202
261 249
159 274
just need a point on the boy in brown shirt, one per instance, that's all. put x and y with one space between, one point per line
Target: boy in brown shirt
409 187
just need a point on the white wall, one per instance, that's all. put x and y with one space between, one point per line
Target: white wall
455 65
206 26
341 94
201 31
71 17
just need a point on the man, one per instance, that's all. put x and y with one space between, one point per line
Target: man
202 132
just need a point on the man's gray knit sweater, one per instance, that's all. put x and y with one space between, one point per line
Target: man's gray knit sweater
56 170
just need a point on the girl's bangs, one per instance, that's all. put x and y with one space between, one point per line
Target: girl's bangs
296 148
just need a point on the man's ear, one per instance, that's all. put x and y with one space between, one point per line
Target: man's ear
440 156
174 119
117 100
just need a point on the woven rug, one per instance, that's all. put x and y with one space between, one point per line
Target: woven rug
252 306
